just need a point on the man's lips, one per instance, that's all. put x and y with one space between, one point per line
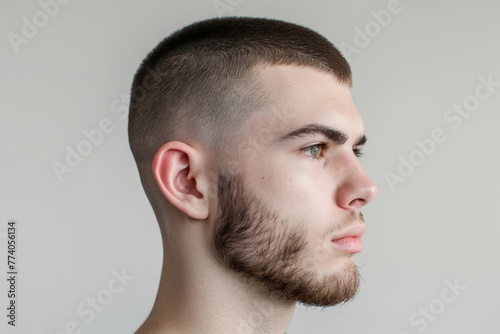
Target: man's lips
350 240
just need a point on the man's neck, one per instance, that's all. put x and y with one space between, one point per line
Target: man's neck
198 296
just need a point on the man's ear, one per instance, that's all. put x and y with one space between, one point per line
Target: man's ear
181 176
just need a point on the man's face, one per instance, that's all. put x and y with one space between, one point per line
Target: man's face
297 190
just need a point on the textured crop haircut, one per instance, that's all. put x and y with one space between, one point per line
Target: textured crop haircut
200 83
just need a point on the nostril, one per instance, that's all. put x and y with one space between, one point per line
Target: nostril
357 203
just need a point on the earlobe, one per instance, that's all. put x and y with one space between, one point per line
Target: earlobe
178 174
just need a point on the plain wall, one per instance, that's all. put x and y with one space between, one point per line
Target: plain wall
434 223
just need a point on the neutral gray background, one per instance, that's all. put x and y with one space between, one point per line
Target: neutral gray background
441 224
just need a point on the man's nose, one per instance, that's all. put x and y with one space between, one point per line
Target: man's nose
356 189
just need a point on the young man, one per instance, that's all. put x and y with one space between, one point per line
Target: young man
247 144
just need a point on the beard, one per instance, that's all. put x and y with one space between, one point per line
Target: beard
254 241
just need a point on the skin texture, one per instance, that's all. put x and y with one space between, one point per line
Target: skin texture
265 247
280 202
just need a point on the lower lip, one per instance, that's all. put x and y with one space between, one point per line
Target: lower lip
349 244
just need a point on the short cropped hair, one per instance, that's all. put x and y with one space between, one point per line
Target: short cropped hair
199 84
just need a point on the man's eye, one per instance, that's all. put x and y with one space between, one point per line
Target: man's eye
315 150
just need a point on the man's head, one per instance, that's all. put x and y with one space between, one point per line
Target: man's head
260 111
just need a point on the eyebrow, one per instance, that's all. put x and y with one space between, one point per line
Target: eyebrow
334 135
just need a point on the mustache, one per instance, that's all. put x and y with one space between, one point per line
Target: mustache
352 219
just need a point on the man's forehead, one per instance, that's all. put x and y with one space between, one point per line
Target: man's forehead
285 79
299 96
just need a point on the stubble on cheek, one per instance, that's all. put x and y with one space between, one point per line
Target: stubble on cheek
256 242
252 239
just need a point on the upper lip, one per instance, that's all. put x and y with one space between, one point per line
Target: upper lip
354 231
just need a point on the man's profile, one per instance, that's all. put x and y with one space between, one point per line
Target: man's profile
247 142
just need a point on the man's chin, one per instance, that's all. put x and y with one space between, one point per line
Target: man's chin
330 289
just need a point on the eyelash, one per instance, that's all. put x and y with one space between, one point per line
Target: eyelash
358 152
323 146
